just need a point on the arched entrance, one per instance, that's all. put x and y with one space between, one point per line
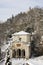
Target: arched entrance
18 53
23 53
14 53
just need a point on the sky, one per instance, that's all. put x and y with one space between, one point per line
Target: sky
9 7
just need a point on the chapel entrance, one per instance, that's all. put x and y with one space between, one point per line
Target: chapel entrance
14 53
23 53
18 53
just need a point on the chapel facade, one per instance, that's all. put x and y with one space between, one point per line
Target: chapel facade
20 46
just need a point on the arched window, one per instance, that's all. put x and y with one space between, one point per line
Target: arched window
19 39
23 53
14 53
18 53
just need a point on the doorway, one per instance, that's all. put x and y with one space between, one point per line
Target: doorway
18 53
23 53
14 53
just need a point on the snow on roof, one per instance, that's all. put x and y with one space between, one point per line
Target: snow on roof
33 33
20 33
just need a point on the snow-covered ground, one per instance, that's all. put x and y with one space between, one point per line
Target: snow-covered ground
2 63
32 61
20 61
37 61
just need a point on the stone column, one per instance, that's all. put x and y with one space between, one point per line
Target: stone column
27 52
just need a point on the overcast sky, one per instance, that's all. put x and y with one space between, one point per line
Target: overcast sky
9 7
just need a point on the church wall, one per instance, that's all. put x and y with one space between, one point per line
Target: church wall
22 47
24 38
21 42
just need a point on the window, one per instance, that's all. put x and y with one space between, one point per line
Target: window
23 53
19 39
14 53
19 53
18 45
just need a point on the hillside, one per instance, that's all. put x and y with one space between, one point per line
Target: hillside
33 20
28 21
